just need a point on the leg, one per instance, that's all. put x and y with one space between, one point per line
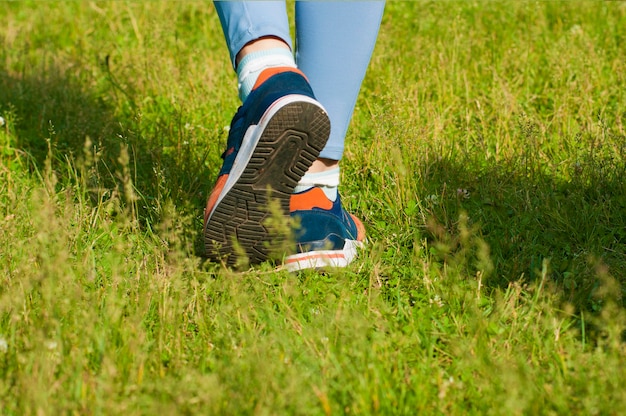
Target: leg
334 42
245 22
257 35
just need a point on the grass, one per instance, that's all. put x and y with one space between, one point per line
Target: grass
485 156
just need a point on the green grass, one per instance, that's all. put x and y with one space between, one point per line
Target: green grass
486 157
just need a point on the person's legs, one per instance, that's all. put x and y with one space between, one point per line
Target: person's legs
279 131
334 40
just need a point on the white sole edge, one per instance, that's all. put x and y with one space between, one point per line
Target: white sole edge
323 258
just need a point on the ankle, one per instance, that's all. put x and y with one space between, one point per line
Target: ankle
327 180
251 69
263 43
322 165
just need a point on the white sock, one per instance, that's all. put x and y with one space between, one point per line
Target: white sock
251 66
327 181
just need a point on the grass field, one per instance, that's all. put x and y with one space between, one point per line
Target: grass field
486 158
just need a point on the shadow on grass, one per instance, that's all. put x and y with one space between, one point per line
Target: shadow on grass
526 216
53 114
52 109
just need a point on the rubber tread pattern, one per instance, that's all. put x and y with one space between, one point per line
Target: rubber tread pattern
291 141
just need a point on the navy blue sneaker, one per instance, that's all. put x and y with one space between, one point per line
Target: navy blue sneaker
327 236
274 138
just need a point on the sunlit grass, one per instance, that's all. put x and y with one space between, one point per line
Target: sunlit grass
486 158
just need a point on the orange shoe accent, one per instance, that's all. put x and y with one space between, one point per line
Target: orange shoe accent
219 185
313 198
360 228
269 72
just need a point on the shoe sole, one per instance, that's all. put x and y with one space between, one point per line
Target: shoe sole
323 259
274 155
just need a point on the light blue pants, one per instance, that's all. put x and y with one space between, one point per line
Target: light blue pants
334 40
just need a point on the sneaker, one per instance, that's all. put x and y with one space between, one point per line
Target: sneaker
327 236
274 137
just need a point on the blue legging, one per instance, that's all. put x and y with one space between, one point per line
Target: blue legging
334 42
